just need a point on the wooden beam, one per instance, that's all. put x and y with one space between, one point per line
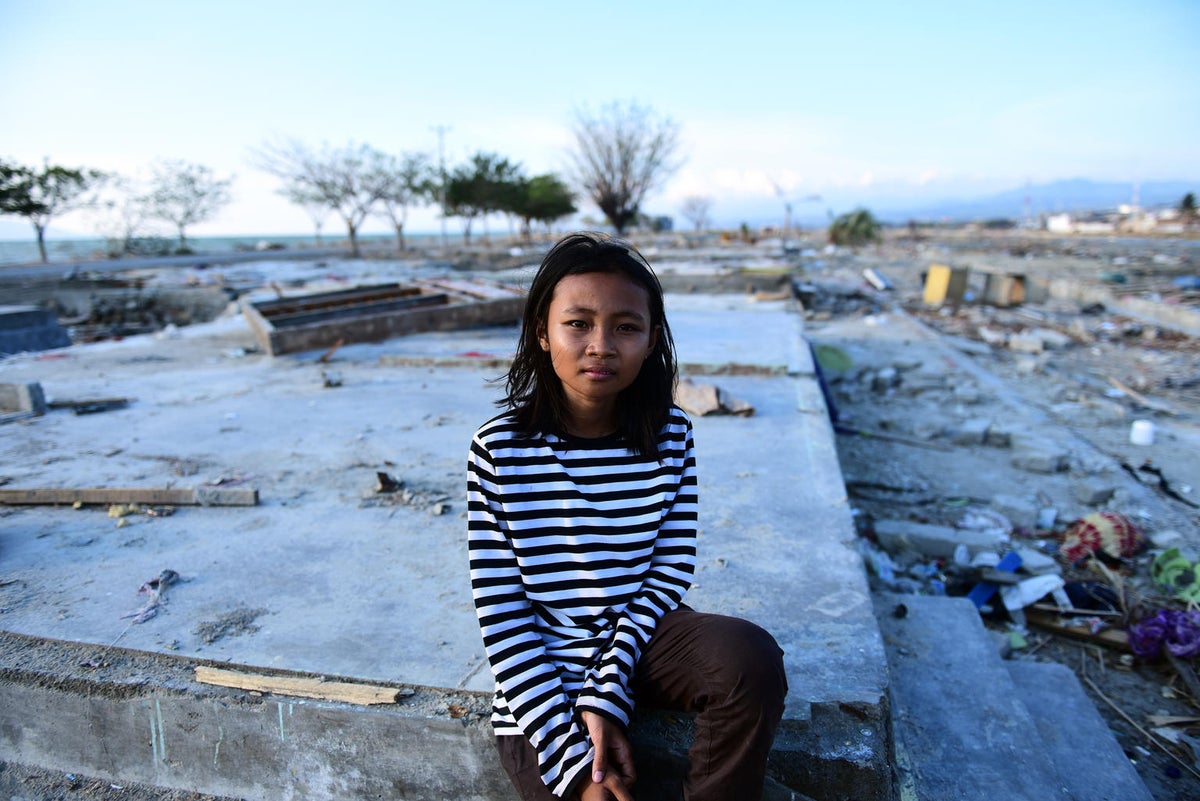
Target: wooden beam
366 694
200 496
1110 638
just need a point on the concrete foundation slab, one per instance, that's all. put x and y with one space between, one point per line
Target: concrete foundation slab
327 577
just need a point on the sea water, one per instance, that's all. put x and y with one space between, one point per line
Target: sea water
81 249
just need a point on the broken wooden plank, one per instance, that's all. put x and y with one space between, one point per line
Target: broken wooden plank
302 687
200 496
23 399
1110 638
89 405
1154 405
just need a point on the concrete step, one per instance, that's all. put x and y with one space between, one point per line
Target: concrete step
1070 726
962 720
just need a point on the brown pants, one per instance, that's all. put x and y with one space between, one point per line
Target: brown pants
726 670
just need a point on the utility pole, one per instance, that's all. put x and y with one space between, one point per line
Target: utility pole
441 135
787 209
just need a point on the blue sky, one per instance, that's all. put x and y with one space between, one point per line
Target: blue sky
856 102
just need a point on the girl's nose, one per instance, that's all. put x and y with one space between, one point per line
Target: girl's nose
599 344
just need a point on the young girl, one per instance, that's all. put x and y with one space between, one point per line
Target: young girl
582 539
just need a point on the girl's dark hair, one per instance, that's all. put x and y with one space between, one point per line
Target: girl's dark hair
535 393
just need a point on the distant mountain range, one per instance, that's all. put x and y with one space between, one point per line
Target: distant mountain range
1075 195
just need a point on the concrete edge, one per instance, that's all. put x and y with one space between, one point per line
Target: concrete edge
135 716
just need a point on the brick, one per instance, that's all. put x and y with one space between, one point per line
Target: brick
1092 491
971 432
1019 511
1025 343
1039 457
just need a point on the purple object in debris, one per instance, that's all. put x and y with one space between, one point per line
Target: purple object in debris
1178 631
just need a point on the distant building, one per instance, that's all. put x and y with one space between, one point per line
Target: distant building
1060 224
1087 224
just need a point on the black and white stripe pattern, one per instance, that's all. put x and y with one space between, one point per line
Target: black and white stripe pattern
577 550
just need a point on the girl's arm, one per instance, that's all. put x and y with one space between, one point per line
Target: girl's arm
672 566
528 680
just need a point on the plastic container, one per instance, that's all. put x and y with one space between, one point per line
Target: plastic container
1142 432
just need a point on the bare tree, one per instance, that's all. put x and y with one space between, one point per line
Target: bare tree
122 212
40 195
409 181
348 181
314 207
622 153
185 194
695 210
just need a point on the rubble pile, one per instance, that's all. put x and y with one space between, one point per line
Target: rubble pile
1040 460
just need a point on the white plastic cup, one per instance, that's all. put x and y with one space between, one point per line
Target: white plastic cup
1142 432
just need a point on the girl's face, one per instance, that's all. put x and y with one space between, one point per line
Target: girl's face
598 332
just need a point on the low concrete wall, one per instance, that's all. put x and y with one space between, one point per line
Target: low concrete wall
128 715
1178 317
136 716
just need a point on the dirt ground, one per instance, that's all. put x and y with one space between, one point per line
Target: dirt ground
912 378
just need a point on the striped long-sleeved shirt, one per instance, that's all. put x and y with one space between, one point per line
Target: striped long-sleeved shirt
577 550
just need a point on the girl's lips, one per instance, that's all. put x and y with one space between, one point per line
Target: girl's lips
599 372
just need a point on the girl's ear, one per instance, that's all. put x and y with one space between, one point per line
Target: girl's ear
543 339
654 334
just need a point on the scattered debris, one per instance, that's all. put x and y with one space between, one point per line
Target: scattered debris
327 355
1109 534
877 280
1176 630
702 398
1176 576
395 492
155 591
231 624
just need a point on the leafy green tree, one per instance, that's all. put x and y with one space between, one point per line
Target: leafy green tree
622 153
855 228
483 185
1187 207
186 194
41 194
543 199
408 180
350 181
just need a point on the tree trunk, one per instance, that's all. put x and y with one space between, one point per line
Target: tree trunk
399 237
317 227
352 230
182 239
41 239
